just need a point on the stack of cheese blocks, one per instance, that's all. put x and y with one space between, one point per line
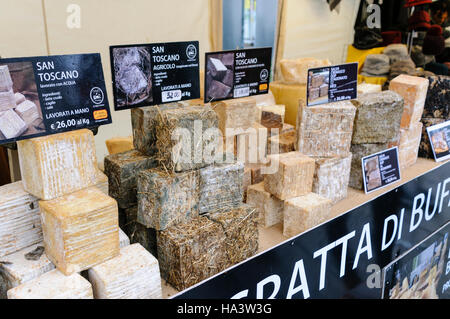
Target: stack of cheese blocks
182 197
80 231
413 90
436 110
376 126
291 88
16 112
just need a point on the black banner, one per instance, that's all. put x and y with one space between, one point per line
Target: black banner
344 257
51 94
238 73
150 74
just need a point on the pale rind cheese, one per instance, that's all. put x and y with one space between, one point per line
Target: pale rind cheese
289 95
20 223
119 144
133 274
53 285
236 114
123 239
270 208
56 165
251 146
295 71
408 145
364 88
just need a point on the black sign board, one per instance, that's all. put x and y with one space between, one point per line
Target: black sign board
51 94
150 74
238 73
439 136
344 257
380 169
332 84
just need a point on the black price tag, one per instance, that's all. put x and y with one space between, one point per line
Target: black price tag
380 169
51 94
150 74
332 84
238 73
439 136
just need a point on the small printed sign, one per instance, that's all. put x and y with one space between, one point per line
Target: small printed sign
150 74
332 84
238 73
439 136
380 169
51 94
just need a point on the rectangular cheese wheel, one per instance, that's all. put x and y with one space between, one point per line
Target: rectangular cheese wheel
11 125
294 176
425 149
53 285
80 230
133 274
436 104
119 144
408 145
304 212
325 130
20 222
331 177
251 146
295 71
6 83
220 186
19 98
270 208
183 139
167 198
289 95
122 170
364 88
236 114
372 111
28 111
7 100
283 143
59 164
413 90
23 266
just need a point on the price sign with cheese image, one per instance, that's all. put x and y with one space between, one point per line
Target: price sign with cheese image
51 94
439 136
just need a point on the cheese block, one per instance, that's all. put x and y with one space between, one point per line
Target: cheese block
7 100
23 266
122 170
53 285
220 186
294 176
264 99
255 173
408 145
28 111
167 198
19 98
183 139
133 274
119 144
295 71
331 177
358 152
373 110
287 128
6 83
436 103
305 212
270 208
283 143
413 90
425 149
103 183
11 125
56 165
289 95
80 230
236 114
20 223
325 130
123 239
364 88
272 116
251 146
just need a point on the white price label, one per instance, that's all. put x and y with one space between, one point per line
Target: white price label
171 96
241 92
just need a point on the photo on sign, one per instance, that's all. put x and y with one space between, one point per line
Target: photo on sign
318 86
132 76
20 109
439 136
219 76
372 173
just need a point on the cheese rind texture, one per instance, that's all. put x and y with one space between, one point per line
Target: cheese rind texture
80 230
295 71
60 164
436 104
20 223
270 208
289 95
251 146
133 274
413 90
294 176
283 143
364 88
425 149
304 212
332 176
408 145
325 130
119 144
53 285
236 114
373 110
